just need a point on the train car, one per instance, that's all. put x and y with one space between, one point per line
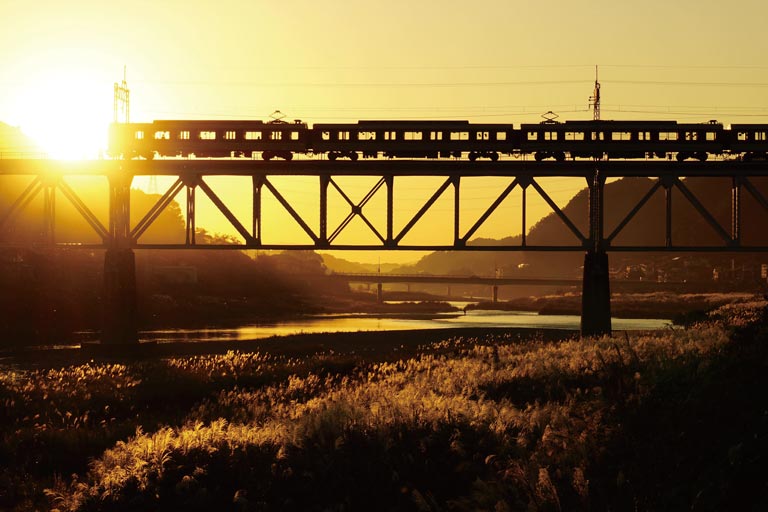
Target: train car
227 139
412 139
621 139
209 139
130 140
698 141
749 141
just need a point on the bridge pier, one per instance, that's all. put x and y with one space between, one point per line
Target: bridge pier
595 287
120 308
596 295
120 326
379 293
495 293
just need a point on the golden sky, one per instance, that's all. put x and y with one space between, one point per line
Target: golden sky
504 61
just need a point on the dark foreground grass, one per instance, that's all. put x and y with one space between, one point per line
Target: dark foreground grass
674 420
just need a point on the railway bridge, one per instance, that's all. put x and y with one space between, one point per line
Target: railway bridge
190 178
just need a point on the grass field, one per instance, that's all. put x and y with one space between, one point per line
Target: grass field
672 420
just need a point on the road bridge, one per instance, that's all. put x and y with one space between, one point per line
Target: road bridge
495 282
120 236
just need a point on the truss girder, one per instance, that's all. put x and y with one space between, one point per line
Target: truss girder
191 175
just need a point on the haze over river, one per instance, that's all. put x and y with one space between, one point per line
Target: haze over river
377 322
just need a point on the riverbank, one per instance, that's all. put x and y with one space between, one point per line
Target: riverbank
473 422
362 345
671 306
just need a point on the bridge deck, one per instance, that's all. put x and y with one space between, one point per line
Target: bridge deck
393 167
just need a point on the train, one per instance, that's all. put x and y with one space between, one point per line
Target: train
433 139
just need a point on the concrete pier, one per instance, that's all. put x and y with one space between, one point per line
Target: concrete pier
120 323
596 295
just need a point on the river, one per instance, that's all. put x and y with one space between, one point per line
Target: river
368 322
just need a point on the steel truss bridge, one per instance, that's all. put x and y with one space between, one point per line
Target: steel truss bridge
120 237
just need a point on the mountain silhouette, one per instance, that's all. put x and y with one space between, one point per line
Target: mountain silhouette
647 227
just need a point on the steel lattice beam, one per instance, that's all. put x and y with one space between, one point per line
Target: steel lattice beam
191 175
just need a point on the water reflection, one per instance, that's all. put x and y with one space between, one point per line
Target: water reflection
362 322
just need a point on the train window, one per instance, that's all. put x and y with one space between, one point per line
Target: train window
276 136
550 135
413 136
711 136
459 135
207 135
161 135
343 135
742 136
435 135
230 135
139 135
598 136
366 135
294 135
644 136
574 135
501 135
533 135
483 135
691 136
667 135
390 135
184 135
621 136
759 136
252 135
326 135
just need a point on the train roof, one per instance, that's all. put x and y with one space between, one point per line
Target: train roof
618 125
610 122
749 126
208 121
413 122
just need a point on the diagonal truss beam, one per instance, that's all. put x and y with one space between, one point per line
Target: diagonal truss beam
423 210
291 211
760 198
157 209
34 188
489 211
703 211
563 217
249 239
357 209
656 186
83 210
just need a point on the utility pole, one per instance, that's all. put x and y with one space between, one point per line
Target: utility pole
594 100
122 101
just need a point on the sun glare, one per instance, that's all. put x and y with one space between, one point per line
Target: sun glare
67 117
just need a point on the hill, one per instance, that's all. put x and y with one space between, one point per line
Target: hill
646 228
340 265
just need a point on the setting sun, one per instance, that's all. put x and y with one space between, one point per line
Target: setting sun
66 115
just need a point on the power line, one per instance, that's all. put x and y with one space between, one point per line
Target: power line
688 83
440 84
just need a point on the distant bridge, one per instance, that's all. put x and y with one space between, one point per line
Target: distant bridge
494 282
120 236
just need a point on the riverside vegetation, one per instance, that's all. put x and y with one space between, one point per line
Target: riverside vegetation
667 420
